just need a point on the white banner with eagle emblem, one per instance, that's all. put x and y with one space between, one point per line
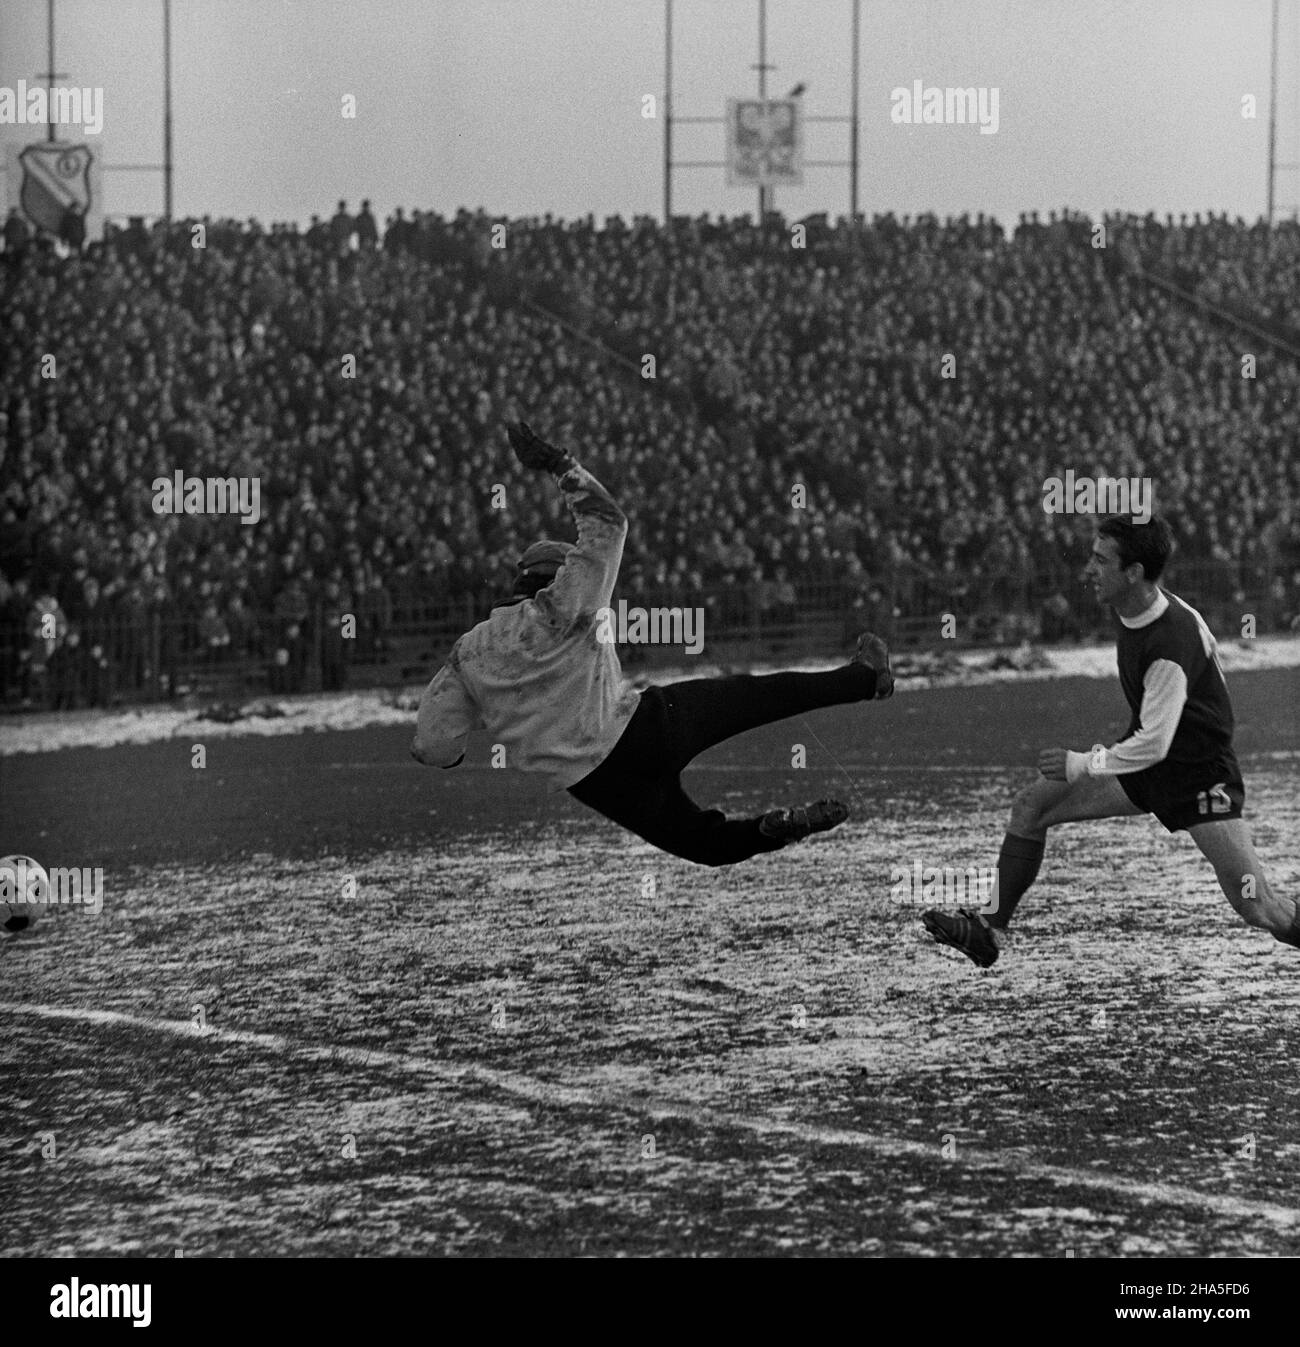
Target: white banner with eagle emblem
764 142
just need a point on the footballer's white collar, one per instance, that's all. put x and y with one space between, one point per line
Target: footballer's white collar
1145 619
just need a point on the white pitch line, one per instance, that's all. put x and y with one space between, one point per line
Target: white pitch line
624 1101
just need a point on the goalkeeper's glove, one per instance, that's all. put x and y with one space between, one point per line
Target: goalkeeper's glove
533 451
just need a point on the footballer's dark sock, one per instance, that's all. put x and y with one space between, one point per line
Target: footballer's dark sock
1018 863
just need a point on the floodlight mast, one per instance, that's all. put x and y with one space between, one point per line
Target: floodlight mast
1273 164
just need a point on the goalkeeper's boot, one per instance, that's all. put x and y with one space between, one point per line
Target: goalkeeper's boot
874 653
964 930
793 825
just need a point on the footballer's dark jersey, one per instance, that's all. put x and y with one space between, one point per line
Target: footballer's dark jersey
1180 637
1176 759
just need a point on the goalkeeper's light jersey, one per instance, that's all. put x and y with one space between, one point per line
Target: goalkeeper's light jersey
533 674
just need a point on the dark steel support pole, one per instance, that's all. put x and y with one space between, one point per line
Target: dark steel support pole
853 113
167 110
668 110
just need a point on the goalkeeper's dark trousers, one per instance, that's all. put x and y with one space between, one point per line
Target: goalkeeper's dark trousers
639 785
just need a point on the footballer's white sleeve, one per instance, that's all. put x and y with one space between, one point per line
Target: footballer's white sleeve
1164 694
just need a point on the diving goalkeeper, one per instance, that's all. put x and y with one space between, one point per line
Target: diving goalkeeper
536 677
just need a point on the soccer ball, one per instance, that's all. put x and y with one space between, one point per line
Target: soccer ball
24 886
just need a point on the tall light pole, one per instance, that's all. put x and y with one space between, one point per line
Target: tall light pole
1272 115
668 110
763 68
853 117
49 74
167 110
49 67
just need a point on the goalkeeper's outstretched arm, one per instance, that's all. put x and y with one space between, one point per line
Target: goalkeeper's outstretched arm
585 582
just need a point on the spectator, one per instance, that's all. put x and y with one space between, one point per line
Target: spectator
367 230
342 229
214 634
72 228
336 642
47 629
17 235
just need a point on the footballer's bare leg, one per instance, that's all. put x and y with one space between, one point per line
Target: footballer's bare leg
1226 844
1038 807
1048 803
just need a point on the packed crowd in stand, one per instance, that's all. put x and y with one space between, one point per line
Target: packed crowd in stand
862 412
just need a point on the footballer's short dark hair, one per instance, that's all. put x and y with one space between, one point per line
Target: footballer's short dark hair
1151 544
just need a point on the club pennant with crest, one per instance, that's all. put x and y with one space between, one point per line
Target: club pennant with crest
56 179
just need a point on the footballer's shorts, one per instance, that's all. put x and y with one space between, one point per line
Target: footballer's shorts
1183 794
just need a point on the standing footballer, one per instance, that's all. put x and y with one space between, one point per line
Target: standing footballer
1175 761
537 675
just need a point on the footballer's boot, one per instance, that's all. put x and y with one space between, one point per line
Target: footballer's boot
874 653
964 930
793 825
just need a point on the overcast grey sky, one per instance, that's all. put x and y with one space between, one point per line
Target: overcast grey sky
525 106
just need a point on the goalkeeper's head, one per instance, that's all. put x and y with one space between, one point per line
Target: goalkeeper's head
539 564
